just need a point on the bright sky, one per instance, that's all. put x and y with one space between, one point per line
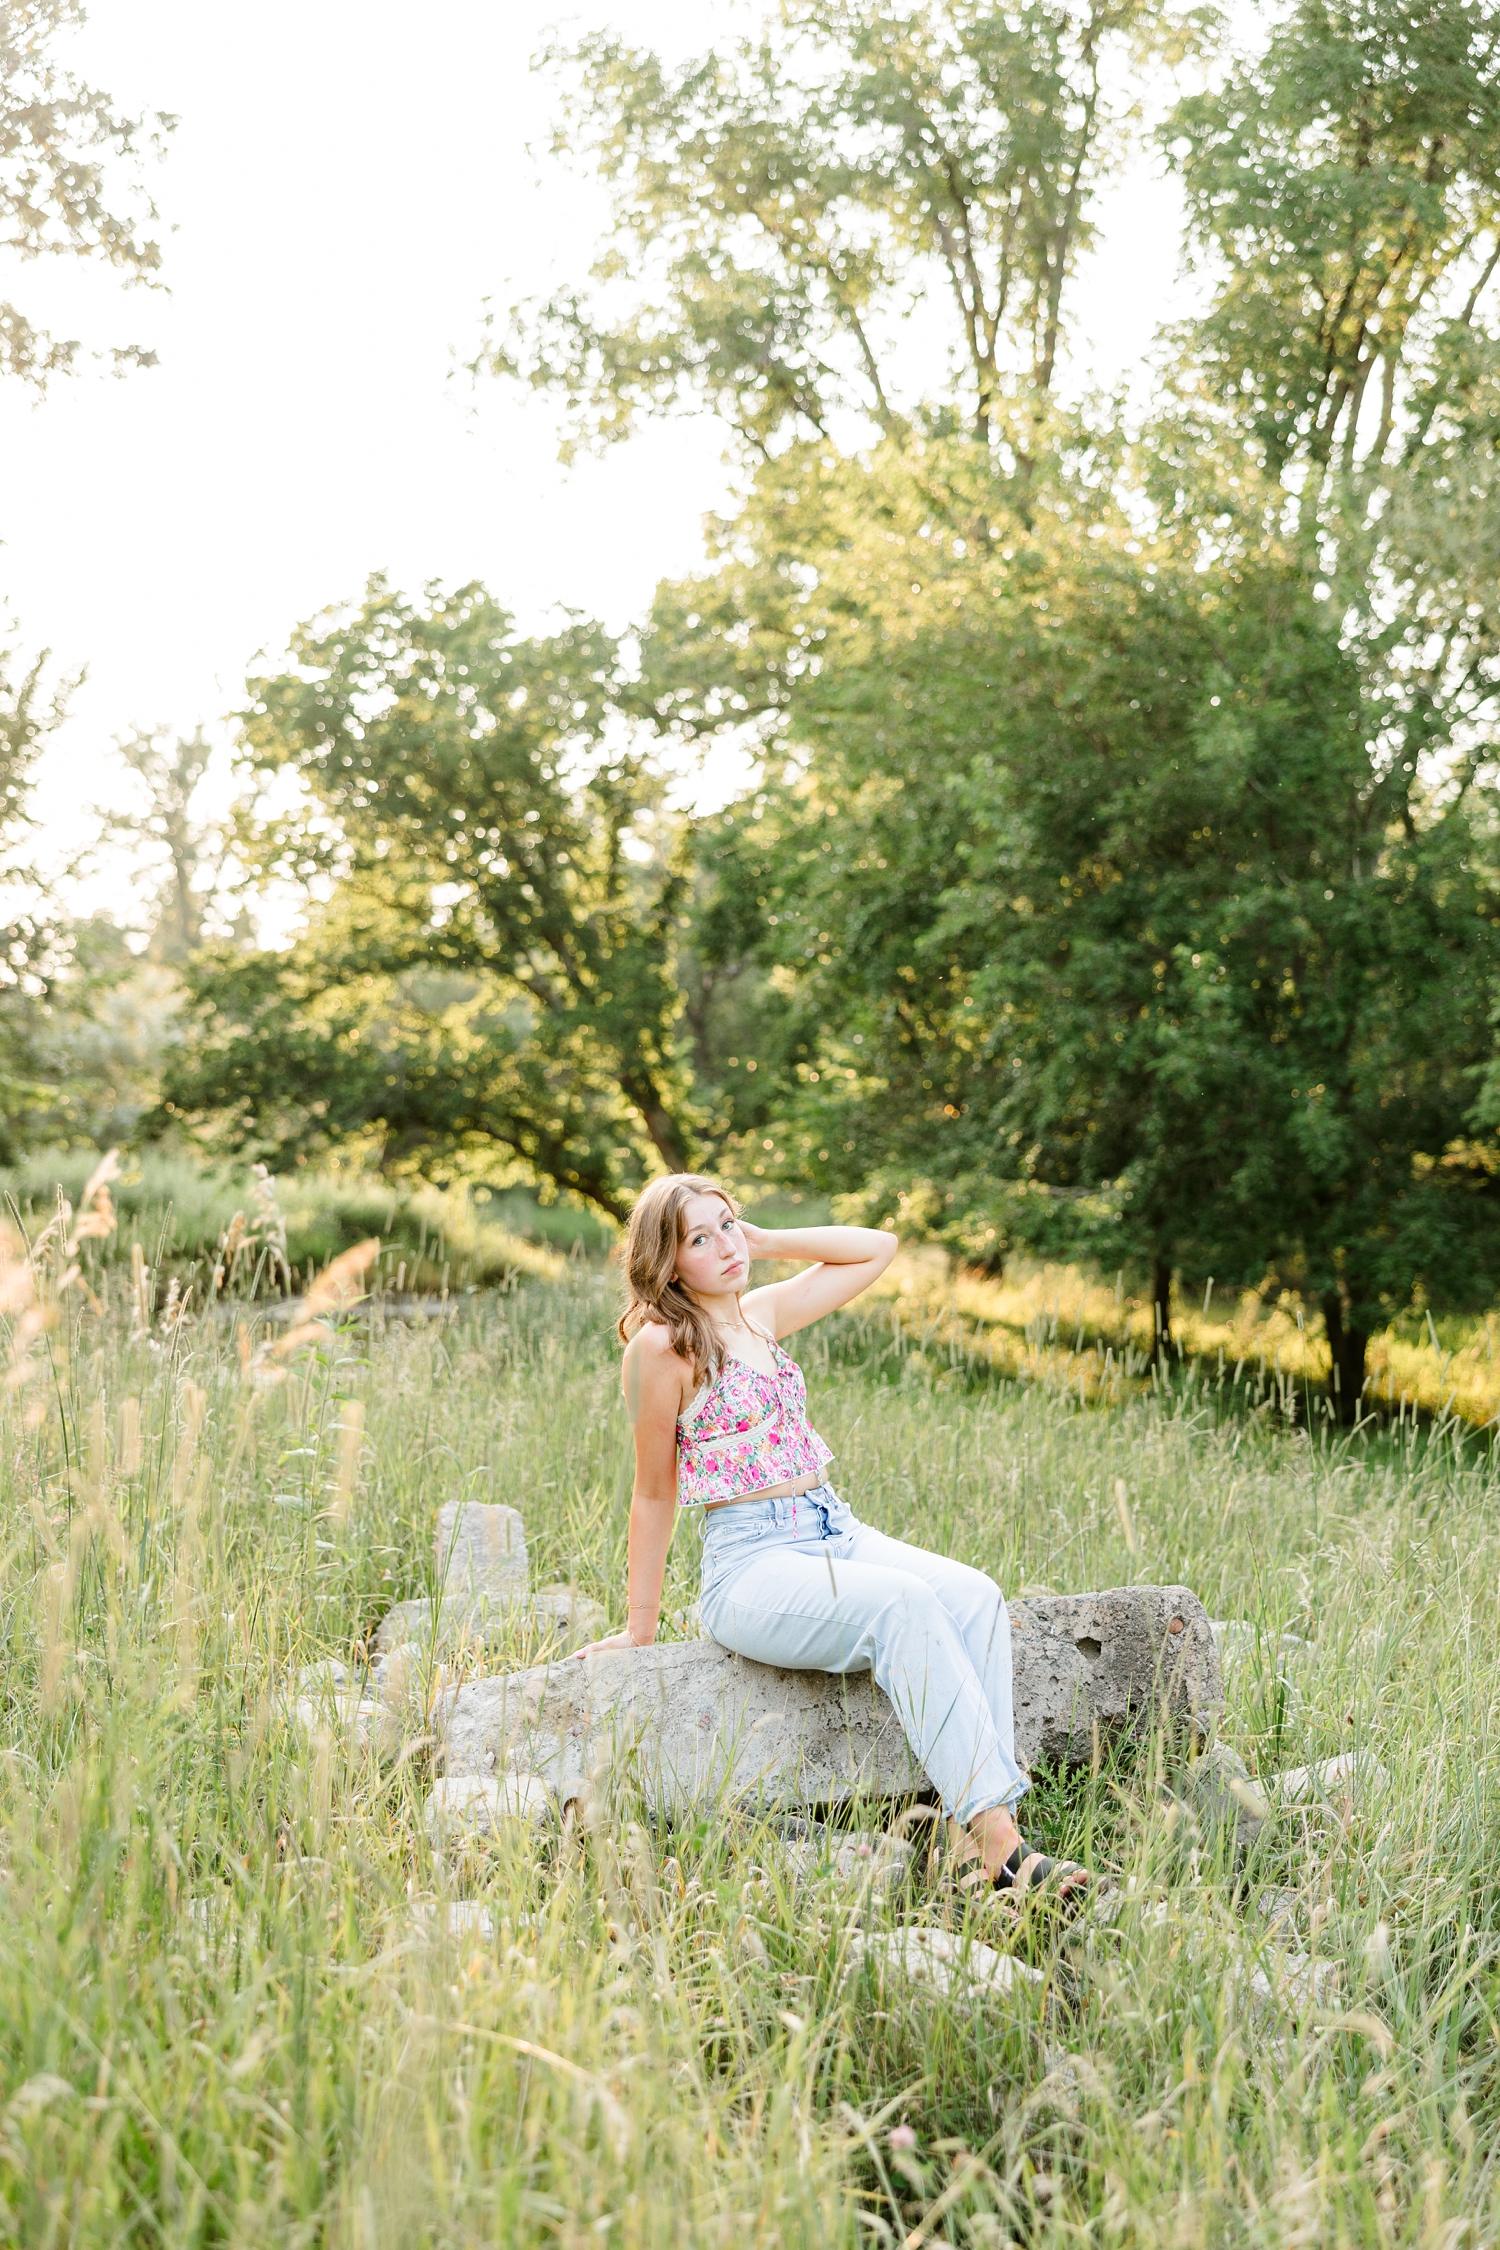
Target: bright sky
349 181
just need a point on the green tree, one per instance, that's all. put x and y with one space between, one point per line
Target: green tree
32 947
1325 466
1062 891
57 136
190 853
491 968
84 1022
782 207
1342 394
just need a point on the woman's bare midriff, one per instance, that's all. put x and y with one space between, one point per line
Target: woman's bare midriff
769 1492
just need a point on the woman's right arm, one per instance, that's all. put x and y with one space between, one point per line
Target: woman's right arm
653 1378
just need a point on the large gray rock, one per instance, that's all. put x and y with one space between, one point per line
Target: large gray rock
954 1967
572 1616
1104 1664
481 1551
483 1571
693 1721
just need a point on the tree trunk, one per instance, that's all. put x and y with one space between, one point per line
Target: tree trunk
1161 1311
1346 1351
667 1137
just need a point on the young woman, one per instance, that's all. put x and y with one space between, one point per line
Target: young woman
790 1576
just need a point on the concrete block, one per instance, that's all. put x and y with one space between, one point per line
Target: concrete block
571 1615
464 1807
690 1721
942 1962
1336 1781
1222 1795
481 1551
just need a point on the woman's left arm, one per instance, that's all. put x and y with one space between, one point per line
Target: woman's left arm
848 1260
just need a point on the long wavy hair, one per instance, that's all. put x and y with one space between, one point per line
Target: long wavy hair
653 1290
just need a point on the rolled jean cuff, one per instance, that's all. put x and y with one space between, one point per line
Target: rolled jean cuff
979 1800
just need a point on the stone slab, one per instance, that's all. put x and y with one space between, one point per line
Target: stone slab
1225 1796
1337 1780
482 1569
467 1806
478 1621
481 1551
693 1722
462 1619
1109 1661
571 1615
1240 1641
954 1967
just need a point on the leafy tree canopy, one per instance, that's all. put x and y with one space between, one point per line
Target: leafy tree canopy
1343 390
1122 876
1082 885
58 137
1134 852
784 206
31 945
492 963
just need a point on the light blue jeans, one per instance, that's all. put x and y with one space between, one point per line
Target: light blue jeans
802 1583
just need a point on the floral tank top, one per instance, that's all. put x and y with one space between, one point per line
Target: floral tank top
747 1431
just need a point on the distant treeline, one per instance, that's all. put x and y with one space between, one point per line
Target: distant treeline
1119 878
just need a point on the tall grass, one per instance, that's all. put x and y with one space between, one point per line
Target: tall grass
178 1212
232 2006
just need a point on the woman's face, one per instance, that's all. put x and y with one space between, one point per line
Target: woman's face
711 1256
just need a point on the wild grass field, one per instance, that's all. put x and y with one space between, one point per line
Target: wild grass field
235 2006
177 1211
1061 1324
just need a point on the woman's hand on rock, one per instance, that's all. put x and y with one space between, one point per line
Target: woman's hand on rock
610 1642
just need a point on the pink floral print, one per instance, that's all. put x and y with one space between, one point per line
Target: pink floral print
747 1431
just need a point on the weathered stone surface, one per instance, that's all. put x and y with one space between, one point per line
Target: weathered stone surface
479 1621
693 1721
690 1719
468 1805
573 1616
1337 1781
1295 1982
1111 1660
444 1625
1239 1641
866 1858
356 1722
1224 1796
943 1962
483 1570
481 1551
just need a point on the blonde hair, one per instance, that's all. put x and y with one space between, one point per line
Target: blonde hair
654 1292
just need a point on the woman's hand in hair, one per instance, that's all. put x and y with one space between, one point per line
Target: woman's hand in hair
841 1261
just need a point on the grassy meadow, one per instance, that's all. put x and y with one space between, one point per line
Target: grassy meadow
178 1211
1064 1324
236 2005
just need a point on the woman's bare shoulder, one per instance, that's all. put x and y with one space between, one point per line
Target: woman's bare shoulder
651 1365
651 1343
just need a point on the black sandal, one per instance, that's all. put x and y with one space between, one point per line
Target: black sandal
1069 1877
